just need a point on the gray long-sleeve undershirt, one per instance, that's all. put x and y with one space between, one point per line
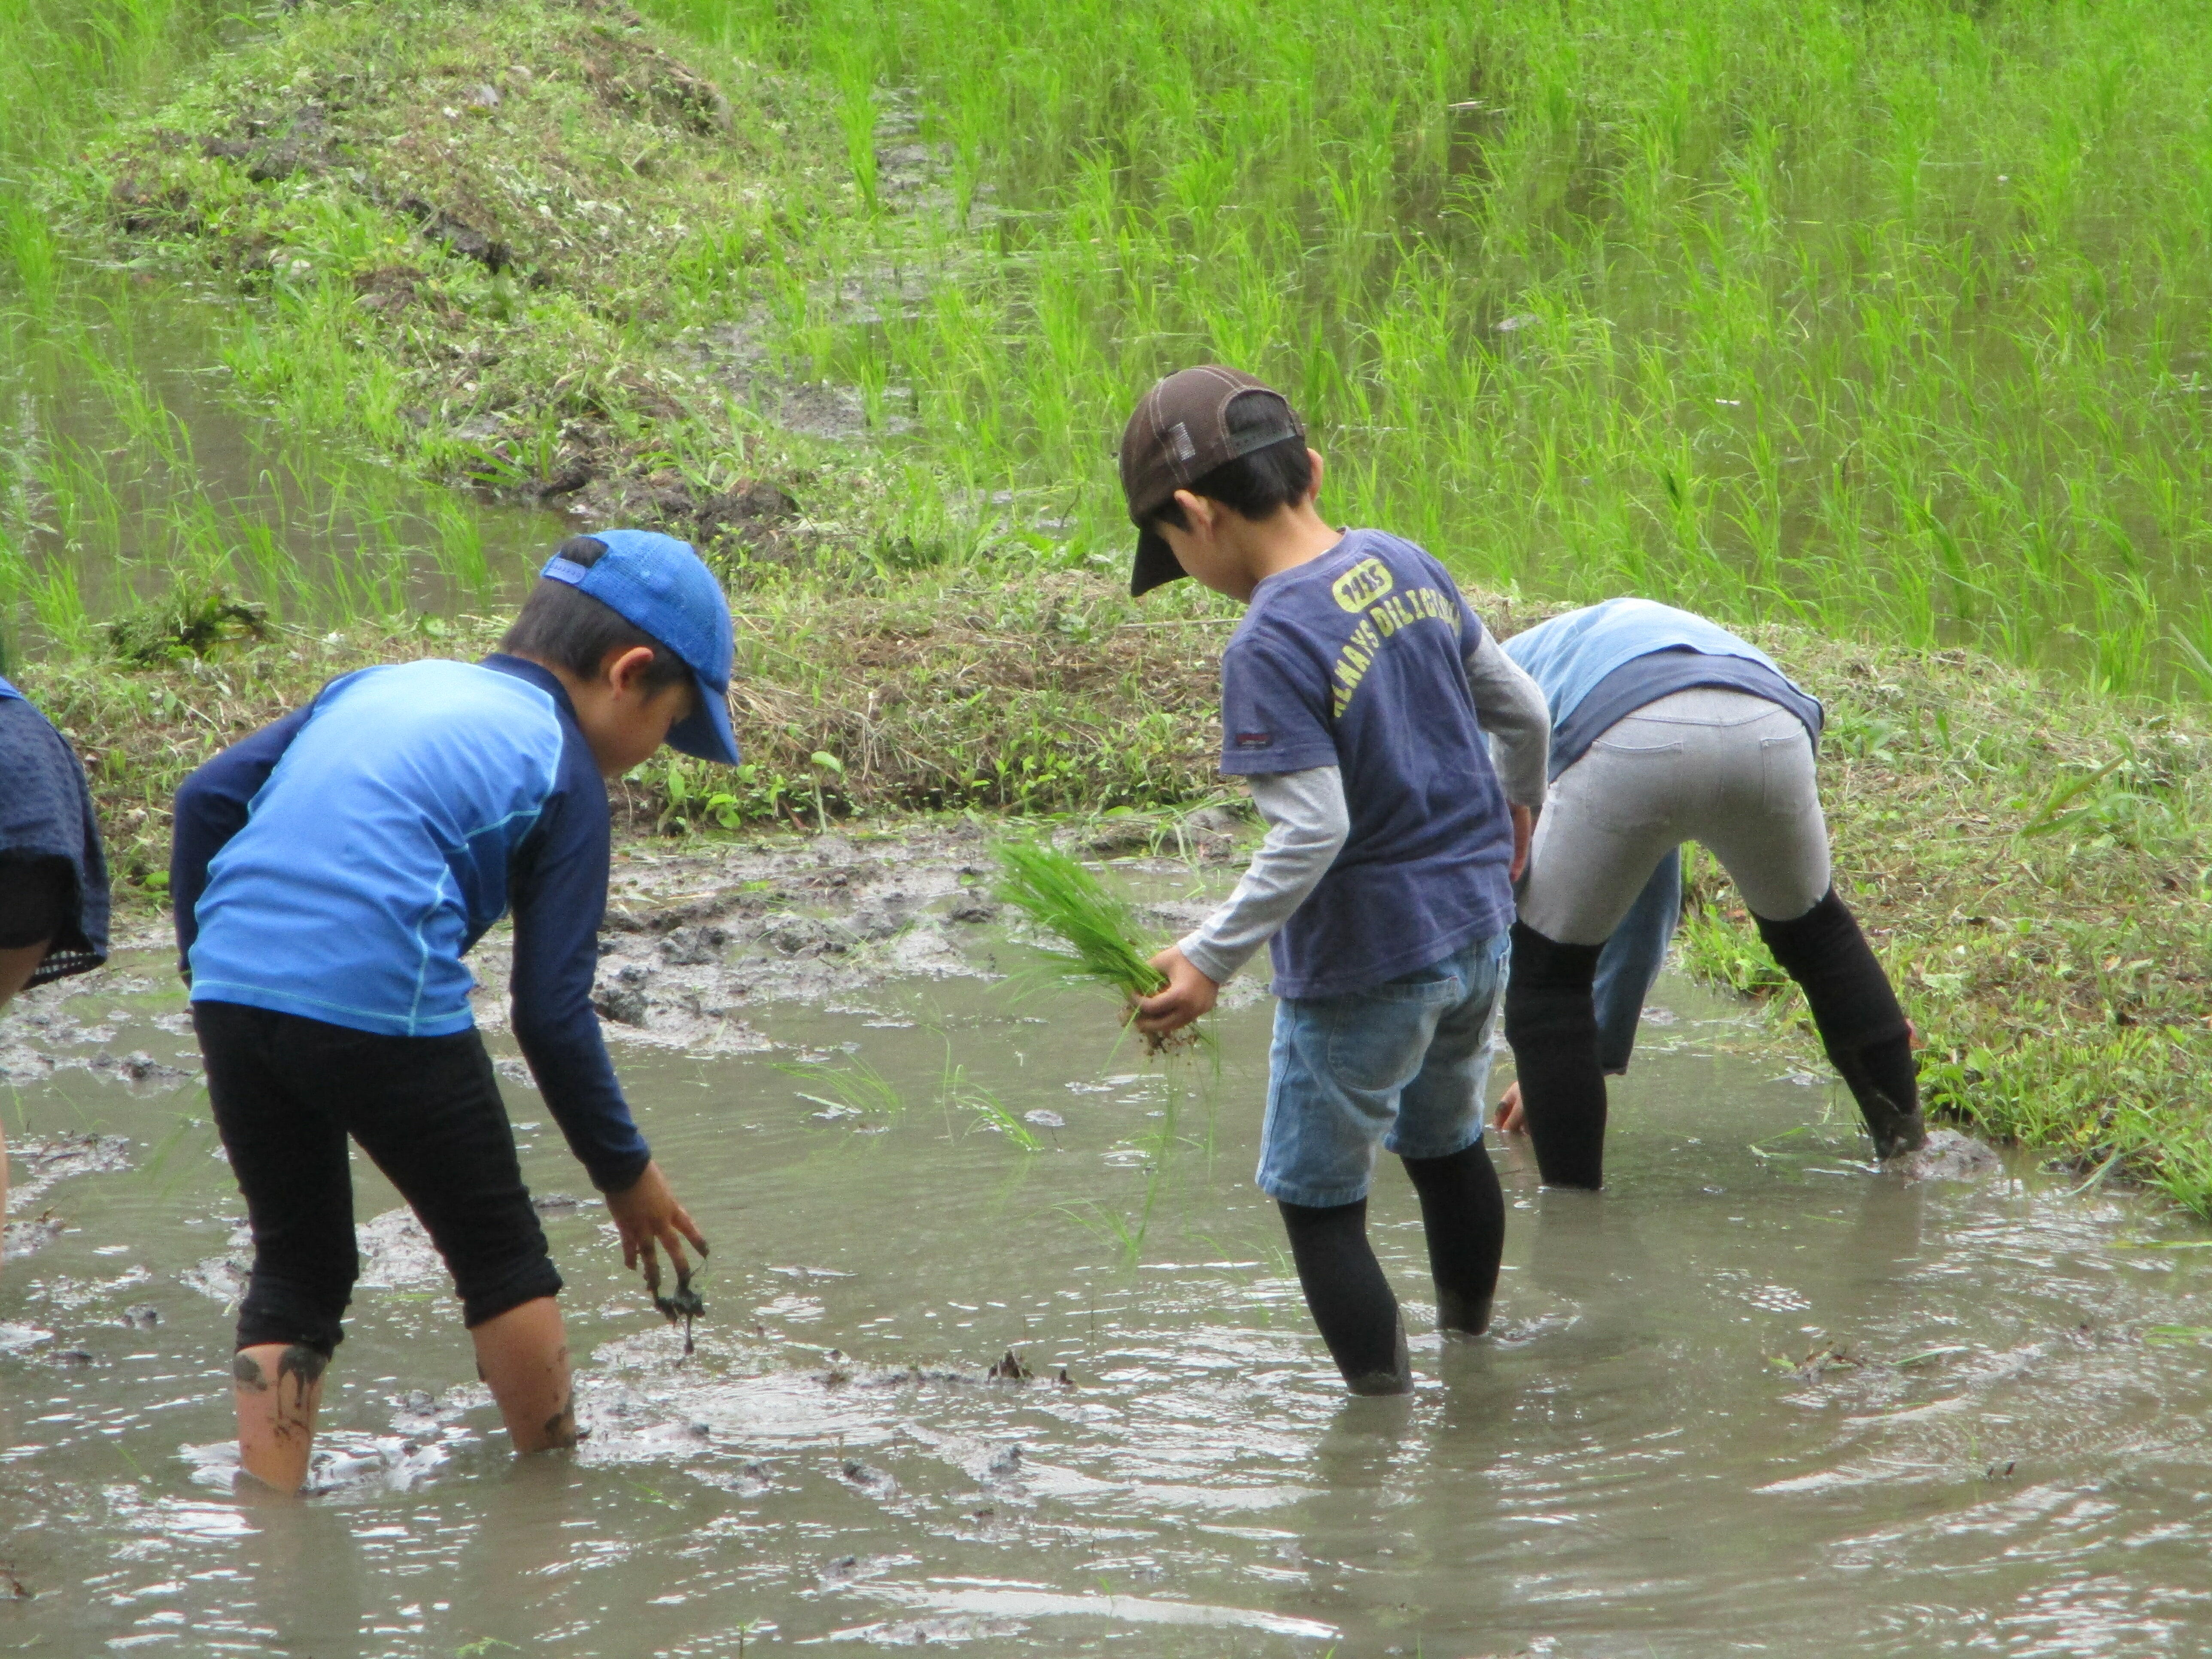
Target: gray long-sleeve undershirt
1308 820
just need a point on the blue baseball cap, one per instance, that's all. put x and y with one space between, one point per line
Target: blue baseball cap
660 584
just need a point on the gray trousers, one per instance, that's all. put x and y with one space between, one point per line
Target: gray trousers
1725 768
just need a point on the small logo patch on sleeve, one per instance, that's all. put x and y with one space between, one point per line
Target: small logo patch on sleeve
1256 740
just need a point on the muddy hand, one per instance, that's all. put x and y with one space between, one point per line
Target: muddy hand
649 1218
1187 996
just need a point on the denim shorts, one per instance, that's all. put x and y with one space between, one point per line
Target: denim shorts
1403 1063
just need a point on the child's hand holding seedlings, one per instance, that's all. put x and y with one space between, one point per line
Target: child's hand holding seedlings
648 1215
1187 996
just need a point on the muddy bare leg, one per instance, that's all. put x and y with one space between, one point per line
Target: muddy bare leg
523 1354
277 1386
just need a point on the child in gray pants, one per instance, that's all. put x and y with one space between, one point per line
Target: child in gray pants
1666 728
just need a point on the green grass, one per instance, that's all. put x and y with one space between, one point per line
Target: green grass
1892 320
127 465
1889 318
524 250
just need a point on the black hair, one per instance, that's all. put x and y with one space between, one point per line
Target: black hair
566 627
1255 486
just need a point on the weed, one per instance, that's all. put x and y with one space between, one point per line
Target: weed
190 622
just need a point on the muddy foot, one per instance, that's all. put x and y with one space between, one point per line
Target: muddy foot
1946 1155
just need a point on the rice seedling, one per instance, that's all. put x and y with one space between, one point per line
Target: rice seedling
855 1089
957 1094
1881 320
1067 902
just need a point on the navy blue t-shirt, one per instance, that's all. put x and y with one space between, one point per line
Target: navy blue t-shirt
1356 660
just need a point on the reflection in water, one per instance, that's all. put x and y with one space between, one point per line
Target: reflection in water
1752 1396
127 467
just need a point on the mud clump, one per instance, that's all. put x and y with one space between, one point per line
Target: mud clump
39 1164
1947 1155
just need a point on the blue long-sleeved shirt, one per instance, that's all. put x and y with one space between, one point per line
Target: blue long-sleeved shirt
339 864
1599 665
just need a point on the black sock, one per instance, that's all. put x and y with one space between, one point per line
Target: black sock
1551 1023
1857 1013
1463 1213
1350 1299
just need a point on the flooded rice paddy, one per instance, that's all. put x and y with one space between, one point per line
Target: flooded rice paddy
129 466
1754 1398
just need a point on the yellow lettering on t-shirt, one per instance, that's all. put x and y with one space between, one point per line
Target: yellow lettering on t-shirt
1388 615
1361 585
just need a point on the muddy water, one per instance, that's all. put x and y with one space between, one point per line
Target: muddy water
1755 1398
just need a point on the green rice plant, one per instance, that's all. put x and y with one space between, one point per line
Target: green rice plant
955 1093
1877 319
1067 901
855 1089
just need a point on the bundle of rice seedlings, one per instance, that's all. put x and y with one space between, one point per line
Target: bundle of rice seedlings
1099 927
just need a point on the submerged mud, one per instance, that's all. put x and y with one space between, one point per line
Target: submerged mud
698 946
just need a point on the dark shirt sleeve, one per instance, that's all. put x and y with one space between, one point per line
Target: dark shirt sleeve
558 889
211 806
1274 717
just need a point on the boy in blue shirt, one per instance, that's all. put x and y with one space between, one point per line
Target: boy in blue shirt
1667 727
328 874
1358 697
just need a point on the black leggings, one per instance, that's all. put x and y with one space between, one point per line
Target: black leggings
38 898
288 1091
1553 1027
1463 1215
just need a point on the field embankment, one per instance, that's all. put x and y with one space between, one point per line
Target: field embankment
2030 860
524 249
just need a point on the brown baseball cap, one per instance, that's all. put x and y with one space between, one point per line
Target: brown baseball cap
1179 434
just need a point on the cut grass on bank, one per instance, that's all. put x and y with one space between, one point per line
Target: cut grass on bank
523 246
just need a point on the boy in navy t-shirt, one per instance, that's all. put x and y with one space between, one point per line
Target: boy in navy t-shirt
1358 696
330 872
54 873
